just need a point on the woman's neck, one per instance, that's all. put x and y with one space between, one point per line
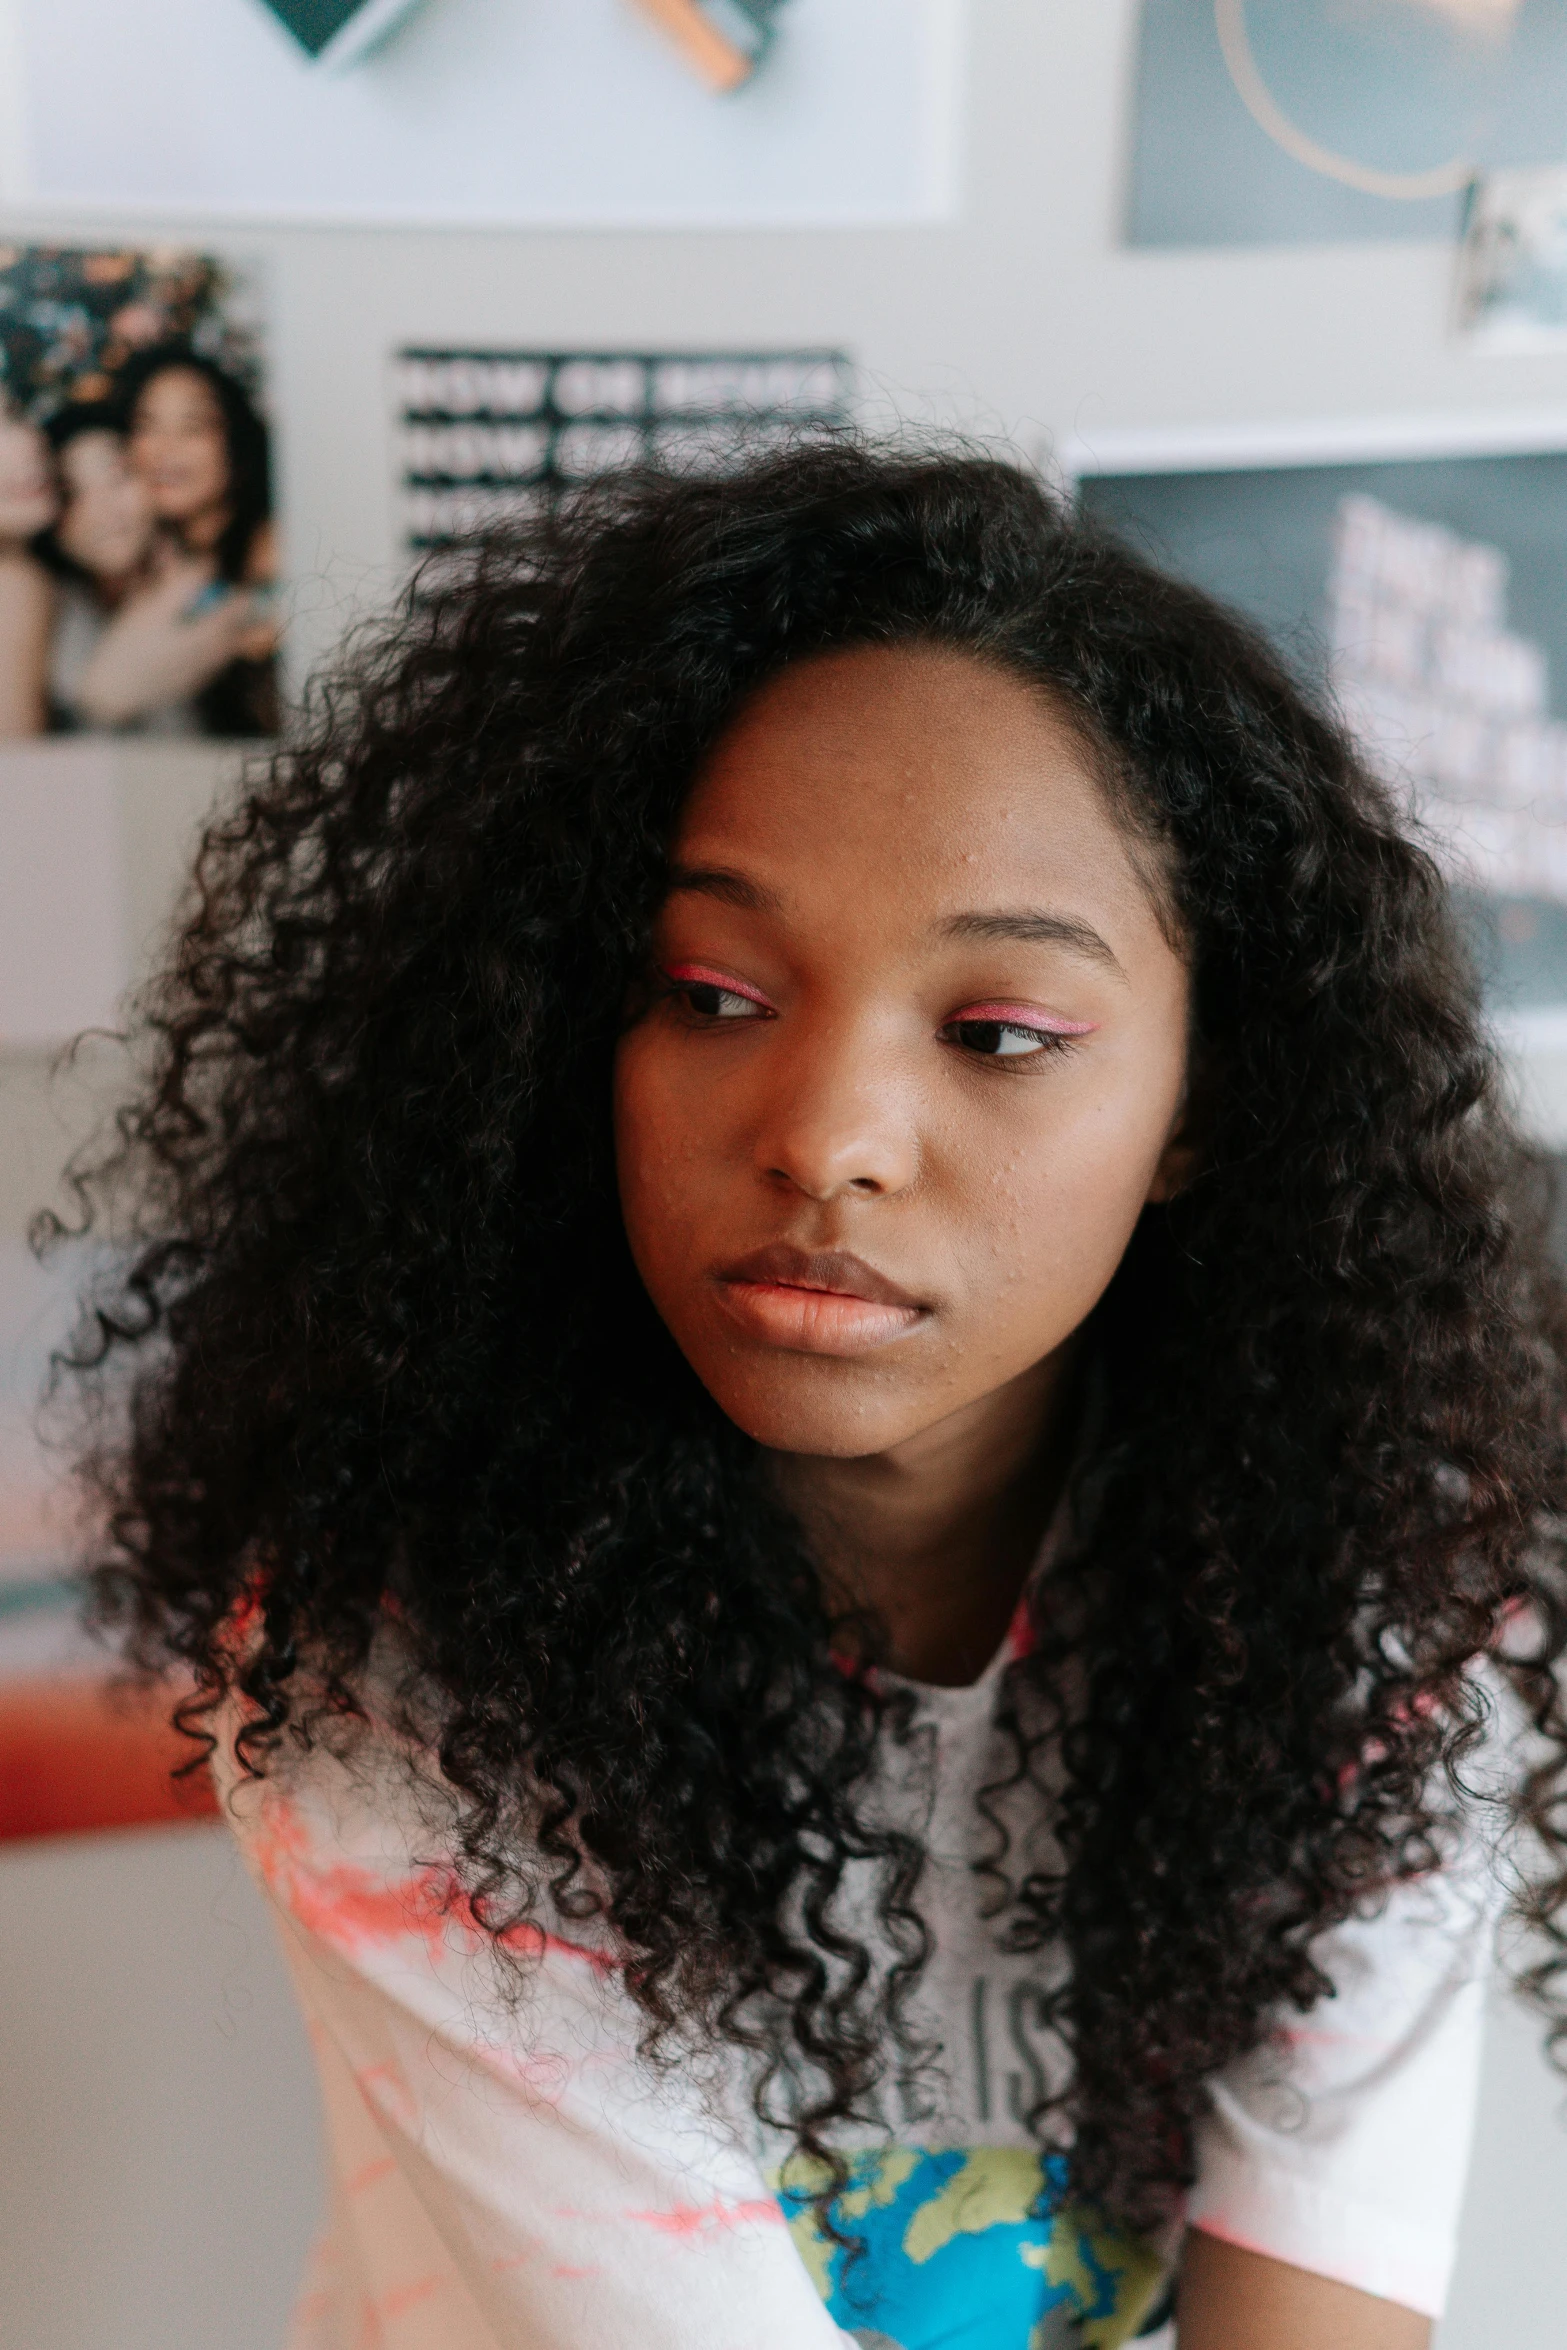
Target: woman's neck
935 1538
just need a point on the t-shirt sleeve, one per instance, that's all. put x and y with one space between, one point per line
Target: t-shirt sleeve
1342 2145
495 2141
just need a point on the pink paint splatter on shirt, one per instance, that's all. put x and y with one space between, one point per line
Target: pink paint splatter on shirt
543 2076
1022 1639
404 2297
1325 2036
387 2094
349 1906
687 2220
369 2174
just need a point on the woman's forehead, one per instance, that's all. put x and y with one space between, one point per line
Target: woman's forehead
915 770
180 390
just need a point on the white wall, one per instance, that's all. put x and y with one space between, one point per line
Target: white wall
176 2132
159 2174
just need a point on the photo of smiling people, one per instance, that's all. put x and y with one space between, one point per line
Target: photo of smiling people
138 560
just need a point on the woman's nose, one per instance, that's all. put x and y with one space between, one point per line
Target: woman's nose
839 1119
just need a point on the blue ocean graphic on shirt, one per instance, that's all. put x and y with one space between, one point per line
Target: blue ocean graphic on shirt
972 2248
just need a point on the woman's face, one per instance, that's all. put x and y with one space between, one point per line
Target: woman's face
107 521
179 446
915 1058
28 500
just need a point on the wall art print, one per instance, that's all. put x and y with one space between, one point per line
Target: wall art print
1260 122
1511 292
138 561
723 41
506 113
487 437
1430 593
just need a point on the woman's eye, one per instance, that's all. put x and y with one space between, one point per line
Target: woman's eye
709 999
719 1003
1002 1040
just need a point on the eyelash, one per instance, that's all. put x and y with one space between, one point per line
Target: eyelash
688 983
1043 1041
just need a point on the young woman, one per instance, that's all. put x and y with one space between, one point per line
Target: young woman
195 441
846 1391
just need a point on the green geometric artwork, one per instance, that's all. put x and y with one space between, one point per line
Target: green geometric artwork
336 33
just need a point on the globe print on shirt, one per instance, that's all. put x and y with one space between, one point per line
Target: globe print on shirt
972 2248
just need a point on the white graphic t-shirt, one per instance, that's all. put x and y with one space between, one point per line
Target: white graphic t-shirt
508 2174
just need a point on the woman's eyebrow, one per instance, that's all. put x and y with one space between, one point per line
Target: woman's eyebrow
717 881
1035 929
1026 924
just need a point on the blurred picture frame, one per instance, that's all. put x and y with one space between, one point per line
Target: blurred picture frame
1417 569
138 557
1289 122
498 113
1510 292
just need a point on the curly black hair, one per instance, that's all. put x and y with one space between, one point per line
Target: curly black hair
386 1349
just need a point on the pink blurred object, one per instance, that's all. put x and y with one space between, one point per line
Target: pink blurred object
83 1754
724 41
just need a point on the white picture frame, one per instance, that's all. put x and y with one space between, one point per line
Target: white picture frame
478 114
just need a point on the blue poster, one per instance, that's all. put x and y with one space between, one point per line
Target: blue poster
1259 122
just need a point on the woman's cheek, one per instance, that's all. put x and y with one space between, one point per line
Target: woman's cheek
1062 1213
655 1116
658 1154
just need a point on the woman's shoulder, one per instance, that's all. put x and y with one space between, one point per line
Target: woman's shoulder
365 1846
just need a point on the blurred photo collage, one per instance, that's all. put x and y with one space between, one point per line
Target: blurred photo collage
138 560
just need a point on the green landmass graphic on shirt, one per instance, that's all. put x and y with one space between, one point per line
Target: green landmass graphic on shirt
971 2248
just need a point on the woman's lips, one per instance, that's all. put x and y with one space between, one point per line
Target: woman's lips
822 1302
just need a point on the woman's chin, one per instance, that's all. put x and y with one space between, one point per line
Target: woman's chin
824 1406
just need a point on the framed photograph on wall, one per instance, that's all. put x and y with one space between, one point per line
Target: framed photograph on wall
1419 571
138 563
